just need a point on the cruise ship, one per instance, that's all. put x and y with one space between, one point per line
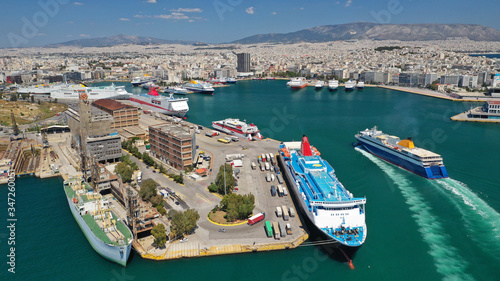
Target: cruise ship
162 104
199 87
360 85
402 153
324 201
106 233
319 84
138 81
231 80
349 85
176 90
298 83
333 85
237 128
94 93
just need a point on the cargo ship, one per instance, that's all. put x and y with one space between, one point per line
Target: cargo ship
162 104
322 199
402 153
237 128
106 233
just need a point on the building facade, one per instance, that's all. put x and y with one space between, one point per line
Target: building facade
243 61
124 115
173 143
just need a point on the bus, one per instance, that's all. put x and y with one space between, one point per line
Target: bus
224 141
269 229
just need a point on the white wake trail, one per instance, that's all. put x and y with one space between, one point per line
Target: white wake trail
447 259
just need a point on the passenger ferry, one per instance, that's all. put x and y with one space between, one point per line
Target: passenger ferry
402 153
237 128
298 83
333 85
325 202
162 104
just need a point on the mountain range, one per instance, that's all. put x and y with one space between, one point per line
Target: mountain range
375 31
119 39
325 33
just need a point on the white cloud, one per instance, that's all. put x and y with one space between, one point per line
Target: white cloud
348 3
274 13
70 22
124 19
250 10
151 1
172 16
302 8
187 10
337 2
41 34
84 35
78 3
69 35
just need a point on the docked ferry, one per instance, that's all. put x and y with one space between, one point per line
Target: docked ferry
324 201
138 81
162 104
402 153
349 85
298 83
333 85
106 233
73 92
199 87
237 128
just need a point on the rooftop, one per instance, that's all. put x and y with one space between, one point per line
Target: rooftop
172 129
111 104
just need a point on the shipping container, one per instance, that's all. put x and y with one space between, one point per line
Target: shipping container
256 218
273 190
292 212
276 230
282 229
280 191
288 229
285 213
269 229
279 212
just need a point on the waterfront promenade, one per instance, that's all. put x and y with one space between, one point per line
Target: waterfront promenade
434 94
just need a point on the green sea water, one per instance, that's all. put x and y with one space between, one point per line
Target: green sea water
417 229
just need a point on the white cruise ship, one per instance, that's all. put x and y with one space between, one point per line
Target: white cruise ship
237 128
41 89
93 93
199 87
360 85
333 85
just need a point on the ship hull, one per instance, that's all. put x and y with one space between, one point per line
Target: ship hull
298 87
235 132
118 254
143 101
432 172
316 233
200 90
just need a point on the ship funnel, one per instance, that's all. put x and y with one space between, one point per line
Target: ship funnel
152 91
305 148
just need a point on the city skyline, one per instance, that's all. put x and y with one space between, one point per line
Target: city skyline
220 21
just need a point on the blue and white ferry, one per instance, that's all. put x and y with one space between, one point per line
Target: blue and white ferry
333 210
402 153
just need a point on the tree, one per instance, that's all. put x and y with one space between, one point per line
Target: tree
156 200
212 187
237 206
160 235
148 189
229 180
124 171
183 222
147 159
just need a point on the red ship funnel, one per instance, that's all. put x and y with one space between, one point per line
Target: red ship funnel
152 91
305 147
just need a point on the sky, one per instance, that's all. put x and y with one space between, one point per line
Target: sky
40 22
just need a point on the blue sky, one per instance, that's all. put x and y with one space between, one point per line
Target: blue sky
37 23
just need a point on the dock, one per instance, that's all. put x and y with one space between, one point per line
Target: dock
467 117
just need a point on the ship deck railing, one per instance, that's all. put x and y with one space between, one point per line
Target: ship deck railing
351 237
